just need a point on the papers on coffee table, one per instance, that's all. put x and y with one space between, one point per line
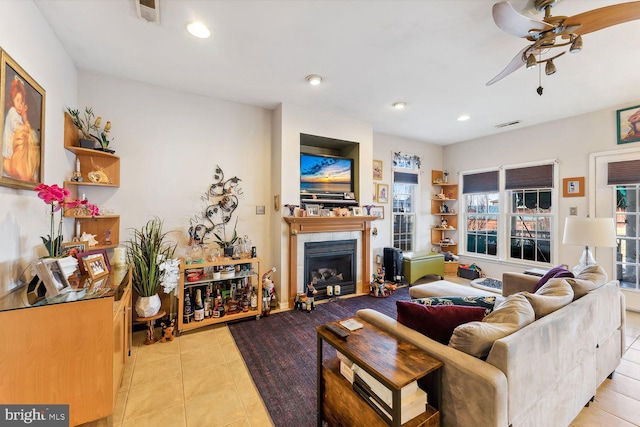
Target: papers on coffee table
351 324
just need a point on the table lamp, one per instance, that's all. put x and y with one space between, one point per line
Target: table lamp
588 232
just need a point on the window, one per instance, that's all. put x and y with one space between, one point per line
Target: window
530 219
404 213
405 191
482 209
526 216
627 263
627 223
482 223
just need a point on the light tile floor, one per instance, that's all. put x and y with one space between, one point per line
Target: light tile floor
200 380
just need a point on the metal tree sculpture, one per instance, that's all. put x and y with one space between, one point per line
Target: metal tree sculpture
221 200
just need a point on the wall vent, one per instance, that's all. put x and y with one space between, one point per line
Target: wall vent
149 10
504 125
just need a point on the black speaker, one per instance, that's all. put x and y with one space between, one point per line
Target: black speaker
392 264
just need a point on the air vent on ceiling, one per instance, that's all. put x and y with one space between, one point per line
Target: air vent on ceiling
149 10
504 125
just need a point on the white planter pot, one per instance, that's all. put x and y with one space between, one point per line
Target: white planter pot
148 306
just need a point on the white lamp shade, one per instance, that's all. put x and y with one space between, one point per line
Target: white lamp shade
596 232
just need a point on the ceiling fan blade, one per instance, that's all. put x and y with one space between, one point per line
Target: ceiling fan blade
515 63
511 21
604 17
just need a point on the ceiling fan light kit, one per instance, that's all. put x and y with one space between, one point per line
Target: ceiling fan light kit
544 33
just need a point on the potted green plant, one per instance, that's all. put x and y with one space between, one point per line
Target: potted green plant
226 244
87 124
147 249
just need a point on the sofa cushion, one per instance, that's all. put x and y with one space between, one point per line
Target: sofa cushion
486 302
438 321
589 279
555 294
559 271
476 338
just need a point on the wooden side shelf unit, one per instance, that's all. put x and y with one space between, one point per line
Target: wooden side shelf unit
443 207
247 278
91 160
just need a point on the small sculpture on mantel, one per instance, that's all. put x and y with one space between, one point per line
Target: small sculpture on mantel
368 209
292 209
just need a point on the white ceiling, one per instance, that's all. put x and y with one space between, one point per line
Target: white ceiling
436 55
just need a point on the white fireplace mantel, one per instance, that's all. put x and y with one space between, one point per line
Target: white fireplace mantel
305 225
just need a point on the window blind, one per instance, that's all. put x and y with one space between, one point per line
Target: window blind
483 182
405 178
627 172
540 176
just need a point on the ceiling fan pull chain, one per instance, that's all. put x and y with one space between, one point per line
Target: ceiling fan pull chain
540 88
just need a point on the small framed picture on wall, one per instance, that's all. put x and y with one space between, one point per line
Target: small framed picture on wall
377 170
573 187
382 193
628 121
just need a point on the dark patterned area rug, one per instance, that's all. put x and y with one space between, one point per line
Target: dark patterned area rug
280 353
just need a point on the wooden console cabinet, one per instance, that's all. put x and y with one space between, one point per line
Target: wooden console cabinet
67 352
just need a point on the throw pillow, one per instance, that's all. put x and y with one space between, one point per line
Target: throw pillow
555 294
589 279
437 322
486 302
476 338
559 271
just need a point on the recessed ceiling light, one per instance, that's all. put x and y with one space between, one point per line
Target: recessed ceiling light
198 29
399 105
463 118
314 79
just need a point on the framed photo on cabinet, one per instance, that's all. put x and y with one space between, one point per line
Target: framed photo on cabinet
22 103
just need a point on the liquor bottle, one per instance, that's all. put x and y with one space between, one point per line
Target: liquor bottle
198 312
188 310
208 302
220 304
253 299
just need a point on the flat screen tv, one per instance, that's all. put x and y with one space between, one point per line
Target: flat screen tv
325 174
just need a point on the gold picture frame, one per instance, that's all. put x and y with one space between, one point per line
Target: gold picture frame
573 187
382 193
22 111
377 170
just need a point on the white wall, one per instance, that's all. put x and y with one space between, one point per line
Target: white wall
570 141
431 155
27 38
170 143
294 121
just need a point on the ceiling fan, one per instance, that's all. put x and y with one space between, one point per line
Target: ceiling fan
553 32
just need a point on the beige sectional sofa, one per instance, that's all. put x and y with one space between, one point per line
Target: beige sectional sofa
540 375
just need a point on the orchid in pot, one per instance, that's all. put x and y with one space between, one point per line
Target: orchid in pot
55 197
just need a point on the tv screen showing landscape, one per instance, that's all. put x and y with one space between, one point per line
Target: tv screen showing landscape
324 174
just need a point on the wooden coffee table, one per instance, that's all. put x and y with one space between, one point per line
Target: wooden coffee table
393 362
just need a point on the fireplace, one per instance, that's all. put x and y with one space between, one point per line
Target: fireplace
331 263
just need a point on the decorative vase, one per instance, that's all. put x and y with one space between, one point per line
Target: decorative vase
228 251
148 306
87 143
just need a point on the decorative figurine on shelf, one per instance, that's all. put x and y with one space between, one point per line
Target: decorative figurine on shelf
167 331
107 237
311 292
270 288
368 209
377 284
91 238
444 223
292 209
445 176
